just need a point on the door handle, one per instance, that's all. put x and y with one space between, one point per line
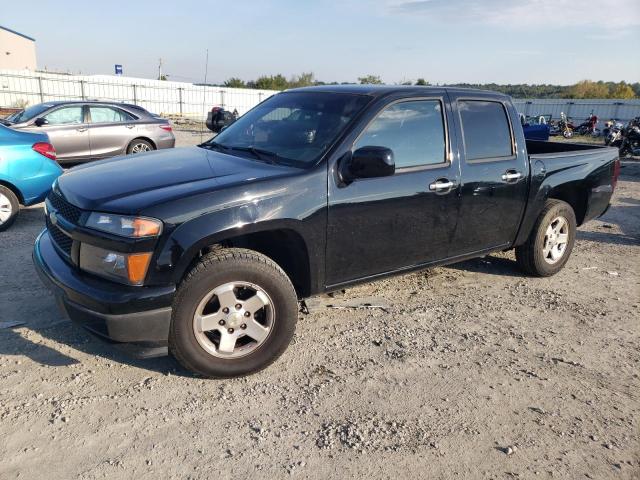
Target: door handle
130 126
81 129
511 175
441 185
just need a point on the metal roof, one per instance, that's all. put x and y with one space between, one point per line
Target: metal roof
18 33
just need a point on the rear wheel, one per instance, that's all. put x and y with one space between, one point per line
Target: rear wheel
9 207
138 146
234 314
551 240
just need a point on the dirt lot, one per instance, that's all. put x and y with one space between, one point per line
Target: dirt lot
469 371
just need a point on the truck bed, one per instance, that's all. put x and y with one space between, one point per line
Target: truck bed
538 148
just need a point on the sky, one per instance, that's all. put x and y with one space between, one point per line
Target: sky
442 41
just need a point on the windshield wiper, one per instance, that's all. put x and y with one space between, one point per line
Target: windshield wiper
213 146
259 153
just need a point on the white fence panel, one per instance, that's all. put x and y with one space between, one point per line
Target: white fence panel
20 88
605 109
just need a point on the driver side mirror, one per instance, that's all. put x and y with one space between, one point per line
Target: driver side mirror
41 121
371 162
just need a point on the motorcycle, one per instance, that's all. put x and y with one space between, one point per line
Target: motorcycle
612 133
630 144
564 126
588 127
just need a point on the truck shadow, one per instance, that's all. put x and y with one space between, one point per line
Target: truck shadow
15 342
490 265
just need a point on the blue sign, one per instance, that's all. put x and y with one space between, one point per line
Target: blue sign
118 69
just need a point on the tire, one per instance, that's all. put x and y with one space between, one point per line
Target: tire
139 145
535 256
9 208
205 290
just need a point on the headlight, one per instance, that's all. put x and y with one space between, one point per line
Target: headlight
134 227
126 268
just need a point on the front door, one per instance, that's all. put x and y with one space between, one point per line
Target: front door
495 174
384 224
68 133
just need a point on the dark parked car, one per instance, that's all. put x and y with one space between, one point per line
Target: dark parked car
83 131
208 249
219 118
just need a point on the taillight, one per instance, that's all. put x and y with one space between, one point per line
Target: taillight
166 128
616 173
46 149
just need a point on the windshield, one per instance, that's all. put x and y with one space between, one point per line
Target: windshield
29 113
293 128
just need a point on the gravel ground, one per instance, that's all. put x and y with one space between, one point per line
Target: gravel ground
468 371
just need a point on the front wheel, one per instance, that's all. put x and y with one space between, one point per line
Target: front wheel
234 314
9 208
550 242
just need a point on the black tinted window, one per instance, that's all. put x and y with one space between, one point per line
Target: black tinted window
413 130
486 129
298 127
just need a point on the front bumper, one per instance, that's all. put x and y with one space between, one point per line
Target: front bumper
116 312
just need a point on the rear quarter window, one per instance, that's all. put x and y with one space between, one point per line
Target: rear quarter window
486 130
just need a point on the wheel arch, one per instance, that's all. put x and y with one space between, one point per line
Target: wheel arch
14 189
285 246
573 194
142 137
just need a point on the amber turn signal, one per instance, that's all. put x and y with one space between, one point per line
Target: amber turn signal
137 265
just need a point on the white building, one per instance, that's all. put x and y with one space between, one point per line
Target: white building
17 51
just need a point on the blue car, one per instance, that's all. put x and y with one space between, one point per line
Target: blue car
27 169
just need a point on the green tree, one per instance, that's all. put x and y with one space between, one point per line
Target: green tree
305 79
589 89
622 90
422 82
235 82
370 79
272 82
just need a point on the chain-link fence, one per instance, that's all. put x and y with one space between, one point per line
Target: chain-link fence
20 89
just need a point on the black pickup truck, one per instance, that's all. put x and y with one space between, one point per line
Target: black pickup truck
207 250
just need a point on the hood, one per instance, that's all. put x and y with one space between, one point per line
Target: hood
130 184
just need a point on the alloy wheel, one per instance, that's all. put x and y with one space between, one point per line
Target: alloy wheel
233 320
140 147
6 209
556 239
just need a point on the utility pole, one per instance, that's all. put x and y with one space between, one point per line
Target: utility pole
160 70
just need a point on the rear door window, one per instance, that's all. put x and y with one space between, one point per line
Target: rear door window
108 115
486 130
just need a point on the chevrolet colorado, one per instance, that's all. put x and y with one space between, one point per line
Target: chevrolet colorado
205 251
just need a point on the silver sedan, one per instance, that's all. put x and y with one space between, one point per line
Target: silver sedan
82 131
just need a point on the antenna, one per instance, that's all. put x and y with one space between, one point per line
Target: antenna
204 95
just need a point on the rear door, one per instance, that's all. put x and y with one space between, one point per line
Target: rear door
110 130
68 133
379 225
495 173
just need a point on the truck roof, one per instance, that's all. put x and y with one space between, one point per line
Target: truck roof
381 90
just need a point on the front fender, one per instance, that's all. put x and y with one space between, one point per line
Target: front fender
298 206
